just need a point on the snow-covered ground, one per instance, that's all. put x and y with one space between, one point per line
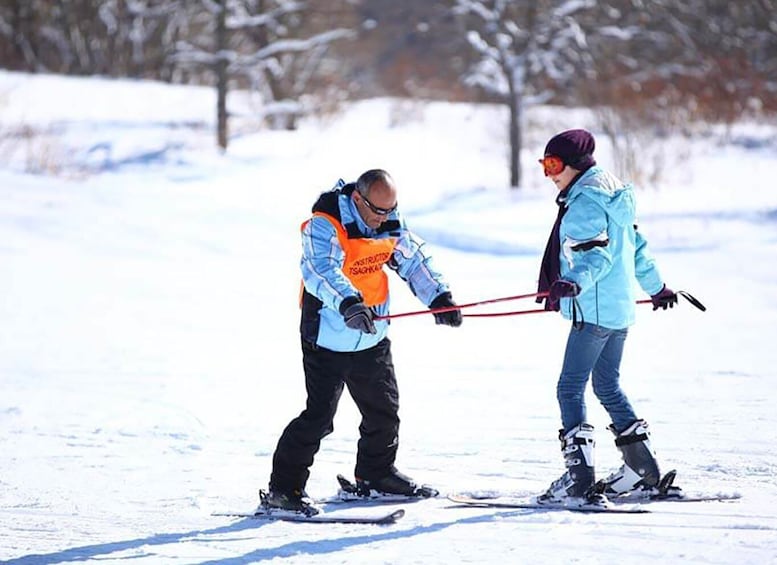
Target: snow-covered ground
149 348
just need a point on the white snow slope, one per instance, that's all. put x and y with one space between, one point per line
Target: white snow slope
149 352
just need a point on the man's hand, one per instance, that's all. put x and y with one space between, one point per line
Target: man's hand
451 317
357 316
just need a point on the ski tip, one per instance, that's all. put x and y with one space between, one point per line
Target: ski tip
703 497
468 500
397 514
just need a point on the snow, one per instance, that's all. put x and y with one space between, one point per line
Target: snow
149 354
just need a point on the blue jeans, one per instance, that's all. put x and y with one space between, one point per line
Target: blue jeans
593 350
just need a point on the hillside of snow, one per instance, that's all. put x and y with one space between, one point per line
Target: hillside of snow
149 347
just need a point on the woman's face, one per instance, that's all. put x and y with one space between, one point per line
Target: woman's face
562 179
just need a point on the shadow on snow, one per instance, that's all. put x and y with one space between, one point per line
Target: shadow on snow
317 547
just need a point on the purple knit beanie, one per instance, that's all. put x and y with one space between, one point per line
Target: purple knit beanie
575 147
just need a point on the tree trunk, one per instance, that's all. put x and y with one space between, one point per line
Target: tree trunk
515 137
221 76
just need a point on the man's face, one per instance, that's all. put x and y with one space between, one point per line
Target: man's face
377 204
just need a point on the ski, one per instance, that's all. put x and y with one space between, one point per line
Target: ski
349 494
322 518
532 504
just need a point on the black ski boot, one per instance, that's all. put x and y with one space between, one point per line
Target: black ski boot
393 483
293 501
639 469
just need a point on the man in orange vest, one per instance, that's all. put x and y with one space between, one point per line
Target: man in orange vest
354 232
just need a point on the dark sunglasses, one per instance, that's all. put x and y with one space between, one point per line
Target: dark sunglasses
377 210
552 165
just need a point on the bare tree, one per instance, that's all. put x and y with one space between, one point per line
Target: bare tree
711 58
675 60
221 75
261 42
672 66
527 50
18 21
663 62
109 37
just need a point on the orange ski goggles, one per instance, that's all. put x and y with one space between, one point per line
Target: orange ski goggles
552 165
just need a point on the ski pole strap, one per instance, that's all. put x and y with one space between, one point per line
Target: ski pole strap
620 441
578 325
692 299
687 295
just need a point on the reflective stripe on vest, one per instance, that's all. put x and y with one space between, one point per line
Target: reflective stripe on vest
364 260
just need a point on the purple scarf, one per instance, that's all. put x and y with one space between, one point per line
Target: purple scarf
550 269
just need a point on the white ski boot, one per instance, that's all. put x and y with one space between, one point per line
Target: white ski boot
577 445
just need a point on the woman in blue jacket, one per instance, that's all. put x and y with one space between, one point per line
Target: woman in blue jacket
593 257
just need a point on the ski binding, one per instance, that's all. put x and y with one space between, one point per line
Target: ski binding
666 491
349 492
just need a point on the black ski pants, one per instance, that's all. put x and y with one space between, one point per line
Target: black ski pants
369 376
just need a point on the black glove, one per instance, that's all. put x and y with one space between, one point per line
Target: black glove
357 315
449 318
665 298
561 289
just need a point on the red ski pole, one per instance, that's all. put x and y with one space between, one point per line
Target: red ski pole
460 306
682 293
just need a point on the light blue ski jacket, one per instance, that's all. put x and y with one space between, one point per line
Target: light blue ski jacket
602 251
322 261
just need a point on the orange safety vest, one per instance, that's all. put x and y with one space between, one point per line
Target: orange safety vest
364 260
